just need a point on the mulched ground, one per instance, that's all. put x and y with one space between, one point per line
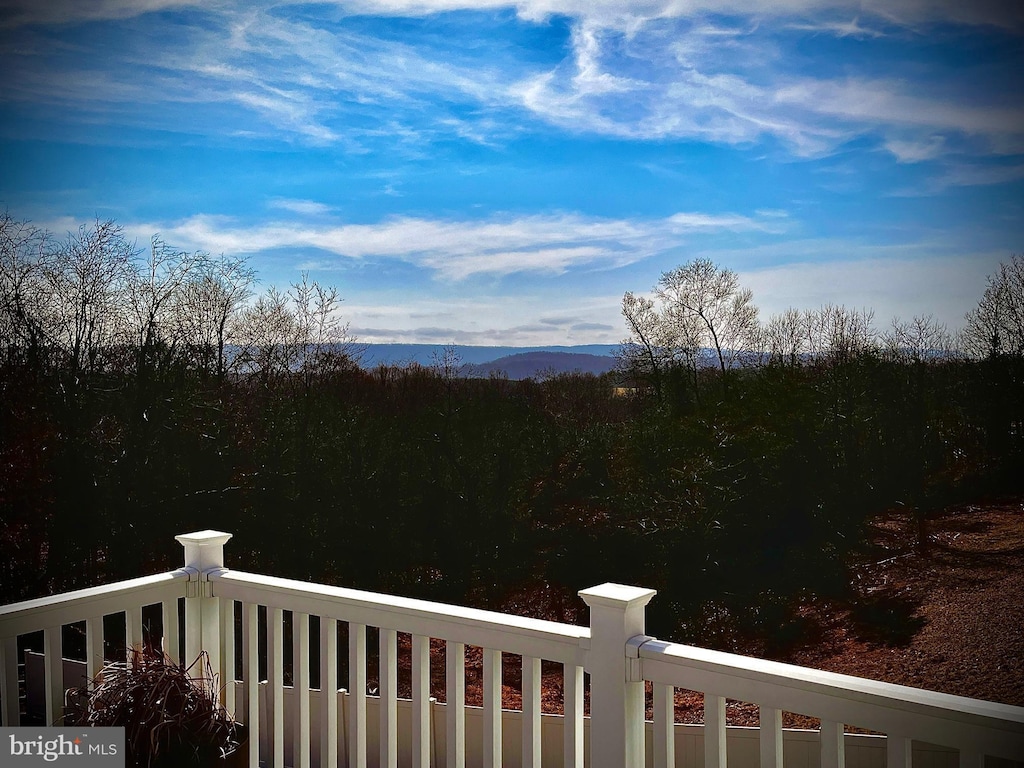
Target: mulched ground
957 607
947 618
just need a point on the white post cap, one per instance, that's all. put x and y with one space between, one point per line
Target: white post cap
204 549
616 595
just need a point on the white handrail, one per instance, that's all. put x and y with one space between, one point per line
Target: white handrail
566 643
49 614
456 625
69 607
967 724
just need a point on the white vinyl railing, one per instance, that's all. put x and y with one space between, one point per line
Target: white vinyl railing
50 614
976 728
459 627
330 728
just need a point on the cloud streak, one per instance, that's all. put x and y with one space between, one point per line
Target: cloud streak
460 249
622 12
641 71
729 85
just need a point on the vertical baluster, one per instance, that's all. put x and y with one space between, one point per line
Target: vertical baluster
455 711
833 751
714 731
10 717
897 751
227 634
93 646
275 683
572 679
357 695
388 698
420 701
328 692
492 708
169 610
193 625
770 734
133 629
54 675
664 726
251 673
300 677
531 712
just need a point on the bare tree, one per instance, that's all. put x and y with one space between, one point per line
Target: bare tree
656 342
840 334
298 330
996 325
701 293
268 335
785 338
446 365
209 308
154 293
86 277
323 339
919 340
23 251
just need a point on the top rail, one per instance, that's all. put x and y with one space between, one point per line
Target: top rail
32 615
940 718
551 640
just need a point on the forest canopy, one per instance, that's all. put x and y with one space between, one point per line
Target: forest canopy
730 463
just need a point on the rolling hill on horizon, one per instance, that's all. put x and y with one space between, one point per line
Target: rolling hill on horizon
525 365
429 354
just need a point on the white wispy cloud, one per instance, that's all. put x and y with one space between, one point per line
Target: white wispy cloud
611 12
640 70
304 207
289 76
851 28
626 12
883 102
731 85
459 249
961 174
14 13
915 150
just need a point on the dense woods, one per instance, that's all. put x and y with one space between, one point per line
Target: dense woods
151 393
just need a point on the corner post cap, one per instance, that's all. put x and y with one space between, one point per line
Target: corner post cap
204 549
610 595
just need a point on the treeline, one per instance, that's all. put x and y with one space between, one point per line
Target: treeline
168 398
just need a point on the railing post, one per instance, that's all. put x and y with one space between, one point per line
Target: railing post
616 689
204 552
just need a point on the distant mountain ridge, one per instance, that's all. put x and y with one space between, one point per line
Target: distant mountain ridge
514 362
428 354
525 365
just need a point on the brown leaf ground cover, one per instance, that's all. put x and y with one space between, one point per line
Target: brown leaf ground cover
947 615
957 607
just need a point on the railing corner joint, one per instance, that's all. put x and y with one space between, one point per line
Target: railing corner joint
634 664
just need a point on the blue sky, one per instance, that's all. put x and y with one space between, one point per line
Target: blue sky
494 172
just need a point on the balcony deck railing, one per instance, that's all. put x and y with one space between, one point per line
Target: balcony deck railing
300 726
